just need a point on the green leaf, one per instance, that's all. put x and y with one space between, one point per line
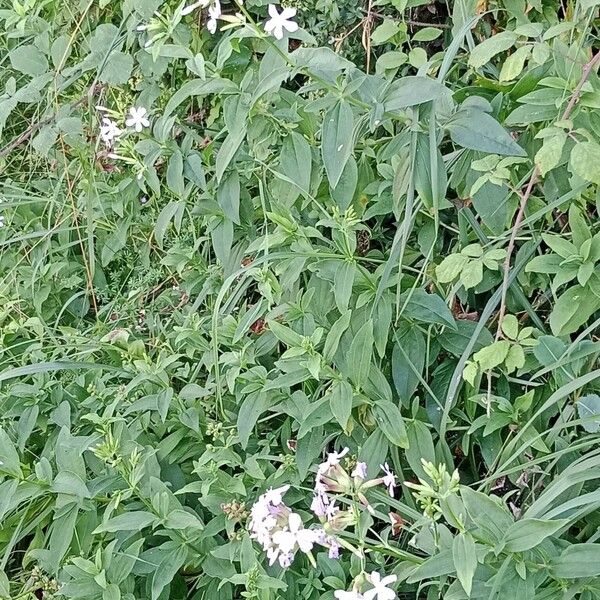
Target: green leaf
336 140
175 173
560 245
408 361
450 268
390 421
384 32
427 34
28 60
548 156
360 354
493 355
427 308
343 279
9 458
514 64
164 220
296 161
129 521
228 196
340 401
577 560
529 533
588 408
167 569
464 556
252 407
199 87
585 158
455 342
487 514
484 52
579 228
112 592
117 68
510 326
572 309
335 333
344 191
477 130
412 91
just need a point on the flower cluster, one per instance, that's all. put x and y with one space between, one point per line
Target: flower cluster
278 529
110 132
379 591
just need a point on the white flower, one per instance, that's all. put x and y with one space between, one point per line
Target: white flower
342 595
333 458
192 7
319 504
1 225
275 496
389 479
137 118
109 131
295 533
360 471
214 12
380 591
280 21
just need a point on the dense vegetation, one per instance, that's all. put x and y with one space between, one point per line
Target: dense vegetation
300 301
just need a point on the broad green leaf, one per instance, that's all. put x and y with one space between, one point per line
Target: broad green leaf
529 533
384 32
477 130
455 342
510 326
28 60
585 158
336 140
548 156
464 556
128 521
199 87
360 354
484 52
487 513
493 355
588 407
420 447
167 569
514 64
228 196
252 407
391 423
340 401
344 192
296 161
408 361
450 268
427 308
117 68
560 245
578 560
572 309
9 458
342 283
335 333
412 91
175 173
